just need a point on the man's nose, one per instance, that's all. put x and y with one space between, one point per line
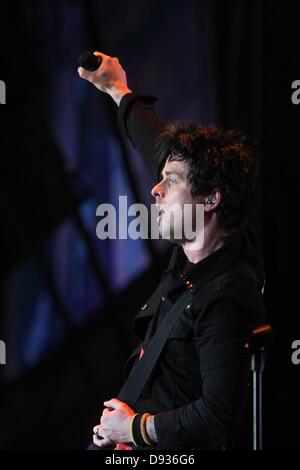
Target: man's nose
157 190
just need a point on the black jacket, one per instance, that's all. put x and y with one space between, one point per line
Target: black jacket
199 386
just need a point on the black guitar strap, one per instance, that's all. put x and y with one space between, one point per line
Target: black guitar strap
142 368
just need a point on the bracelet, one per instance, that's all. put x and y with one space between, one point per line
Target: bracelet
145 435
131 428
137 437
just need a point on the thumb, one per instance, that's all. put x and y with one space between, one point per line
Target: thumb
114 403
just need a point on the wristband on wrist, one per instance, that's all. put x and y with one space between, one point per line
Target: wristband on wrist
145 435
131 428
137 437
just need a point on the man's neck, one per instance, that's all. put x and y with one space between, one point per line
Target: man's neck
214 238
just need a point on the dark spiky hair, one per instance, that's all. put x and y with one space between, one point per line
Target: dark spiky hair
217 160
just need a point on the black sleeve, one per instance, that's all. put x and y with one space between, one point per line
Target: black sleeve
224 368
138 121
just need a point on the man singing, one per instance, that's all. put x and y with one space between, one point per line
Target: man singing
197 392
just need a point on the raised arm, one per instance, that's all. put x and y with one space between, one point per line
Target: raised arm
136 116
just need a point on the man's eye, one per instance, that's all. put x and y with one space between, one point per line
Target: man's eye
171 181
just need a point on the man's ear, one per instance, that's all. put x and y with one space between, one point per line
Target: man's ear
212 201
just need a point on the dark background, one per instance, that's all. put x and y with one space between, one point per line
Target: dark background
67 299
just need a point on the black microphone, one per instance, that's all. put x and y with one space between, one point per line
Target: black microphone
90 61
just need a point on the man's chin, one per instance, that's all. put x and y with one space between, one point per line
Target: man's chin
179 241
170 238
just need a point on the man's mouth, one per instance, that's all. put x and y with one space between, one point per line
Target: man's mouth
160 212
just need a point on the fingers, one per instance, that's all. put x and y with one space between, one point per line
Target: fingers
105 56
99 437
105 412
98 431
109 78
88 75
101 442
83 73
95 429
114 403
101 55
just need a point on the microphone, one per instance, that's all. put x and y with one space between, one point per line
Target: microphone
90 61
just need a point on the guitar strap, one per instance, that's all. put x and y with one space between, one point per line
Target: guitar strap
143 367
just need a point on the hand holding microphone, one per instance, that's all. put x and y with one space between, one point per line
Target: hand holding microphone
105 73
90 61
